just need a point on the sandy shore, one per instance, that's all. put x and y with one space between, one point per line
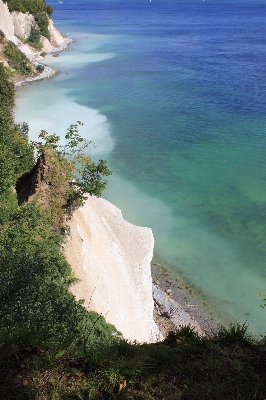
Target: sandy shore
177 305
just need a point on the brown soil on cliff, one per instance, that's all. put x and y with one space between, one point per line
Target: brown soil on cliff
47 184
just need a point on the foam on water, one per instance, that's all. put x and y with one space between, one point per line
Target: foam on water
83 59
54 112
48 106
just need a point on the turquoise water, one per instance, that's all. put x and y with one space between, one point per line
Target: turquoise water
173 94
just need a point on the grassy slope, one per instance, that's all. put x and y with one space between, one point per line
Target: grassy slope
184 366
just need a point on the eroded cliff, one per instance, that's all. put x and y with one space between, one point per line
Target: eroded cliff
111 258
17 27
6 22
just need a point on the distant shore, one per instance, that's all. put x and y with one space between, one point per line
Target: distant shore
37 59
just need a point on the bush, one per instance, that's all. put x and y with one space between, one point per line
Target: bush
34 38
15 153
40 68
42 22
2 36
86 179
17 59
236 333
30 6
49 10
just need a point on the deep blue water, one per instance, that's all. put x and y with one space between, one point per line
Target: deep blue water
182 85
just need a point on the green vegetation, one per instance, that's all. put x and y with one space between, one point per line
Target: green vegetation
31 6
40 68
41 13
34 38
185 366
36 306
17 59
77 173
15 153
42 21
51 348
49 10
2 36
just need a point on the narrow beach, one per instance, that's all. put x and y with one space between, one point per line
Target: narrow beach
37 59
177 305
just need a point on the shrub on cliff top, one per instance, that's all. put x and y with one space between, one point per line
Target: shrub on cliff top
86 176
2 36
30 6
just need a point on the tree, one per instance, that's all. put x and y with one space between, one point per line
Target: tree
49 10
92 178
86 176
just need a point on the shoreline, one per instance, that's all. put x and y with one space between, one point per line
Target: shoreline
37 59
176 305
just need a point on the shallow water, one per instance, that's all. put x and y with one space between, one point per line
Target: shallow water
173 94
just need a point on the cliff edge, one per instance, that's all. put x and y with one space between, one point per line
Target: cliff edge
111 258
17 27
6 23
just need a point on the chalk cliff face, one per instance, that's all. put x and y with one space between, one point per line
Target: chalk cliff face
22 24
17 26
56 38
6 22
111 258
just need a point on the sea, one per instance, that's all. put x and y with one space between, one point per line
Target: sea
173 94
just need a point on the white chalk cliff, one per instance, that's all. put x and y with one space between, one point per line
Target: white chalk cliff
111 258
17 26
22 23
6 22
